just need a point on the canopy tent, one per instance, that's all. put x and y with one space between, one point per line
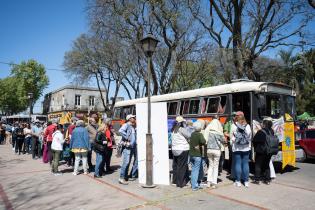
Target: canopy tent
305 116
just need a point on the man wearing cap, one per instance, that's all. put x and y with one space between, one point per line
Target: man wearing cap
128 133
36 132
92 130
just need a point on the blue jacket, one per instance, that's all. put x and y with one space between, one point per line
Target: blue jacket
80 139
128 133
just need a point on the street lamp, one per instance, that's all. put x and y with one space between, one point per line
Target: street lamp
30 97
148 45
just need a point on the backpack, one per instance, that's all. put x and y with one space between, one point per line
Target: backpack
241 137
272 143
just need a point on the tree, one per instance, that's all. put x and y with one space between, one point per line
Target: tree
12 98
32 78
250 28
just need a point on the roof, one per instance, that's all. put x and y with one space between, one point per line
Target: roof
76 88
241 86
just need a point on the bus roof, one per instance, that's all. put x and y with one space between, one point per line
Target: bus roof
241 86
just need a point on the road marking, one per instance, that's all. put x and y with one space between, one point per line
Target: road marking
149 202
5 199
292 186
235 200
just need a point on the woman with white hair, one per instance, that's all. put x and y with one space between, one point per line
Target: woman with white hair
196 144
215 141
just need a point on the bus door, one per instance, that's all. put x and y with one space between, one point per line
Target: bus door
242 102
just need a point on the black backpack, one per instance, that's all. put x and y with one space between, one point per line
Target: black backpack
272 143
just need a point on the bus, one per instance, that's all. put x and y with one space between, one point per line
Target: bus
24 118
255 99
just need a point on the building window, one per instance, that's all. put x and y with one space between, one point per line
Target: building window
91 100
77 101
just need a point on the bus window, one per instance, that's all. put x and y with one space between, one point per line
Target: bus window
213 105
289 105
117 113
194 106
222 105
273 106
126 111
184 107
203 105
172 108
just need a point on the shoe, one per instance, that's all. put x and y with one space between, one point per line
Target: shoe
57 174
267 182
75 173
256 182
237 184
246 184
122 181
195 189
132 179
85 173
208 184
214 186
97 176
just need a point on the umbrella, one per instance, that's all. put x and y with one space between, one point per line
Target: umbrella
304 116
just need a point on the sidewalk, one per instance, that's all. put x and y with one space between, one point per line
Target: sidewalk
28 184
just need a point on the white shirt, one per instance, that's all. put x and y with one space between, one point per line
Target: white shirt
238 147
58 140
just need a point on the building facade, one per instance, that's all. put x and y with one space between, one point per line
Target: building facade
69 101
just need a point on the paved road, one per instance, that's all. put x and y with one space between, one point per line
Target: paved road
28 184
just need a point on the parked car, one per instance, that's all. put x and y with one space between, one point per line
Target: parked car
307 142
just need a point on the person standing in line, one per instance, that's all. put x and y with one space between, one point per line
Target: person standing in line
28 138
241 145
100 145
92 130
70 160
19 139
109 133
36 132
129 137
80 145
14 127
214 144
262 158
180 149
48 138
56 148
2 133
196 148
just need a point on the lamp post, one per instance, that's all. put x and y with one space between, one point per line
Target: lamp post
148 45
30 97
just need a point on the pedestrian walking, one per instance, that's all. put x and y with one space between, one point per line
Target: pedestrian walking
215 142
196 148
241 145
100 145
92 130
262 158
180 149
56 148
129 152
80 145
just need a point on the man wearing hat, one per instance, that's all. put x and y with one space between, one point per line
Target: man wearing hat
128 133
36 132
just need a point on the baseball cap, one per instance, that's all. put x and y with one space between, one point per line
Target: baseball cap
180 119
130 116
239 113
267 119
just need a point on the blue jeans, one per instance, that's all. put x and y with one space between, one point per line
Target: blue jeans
241 166
196 171
99 165
127 155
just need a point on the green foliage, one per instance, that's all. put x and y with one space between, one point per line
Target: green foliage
31 77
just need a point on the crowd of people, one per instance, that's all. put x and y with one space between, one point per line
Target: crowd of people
195 145
201 145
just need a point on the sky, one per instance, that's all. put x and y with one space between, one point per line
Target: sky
42 30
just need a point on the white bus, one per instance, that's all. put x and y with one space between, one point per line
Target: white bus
24 118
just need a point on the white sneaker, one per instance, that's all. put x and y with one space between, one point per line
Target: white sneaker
74 173
85 173
246 184
237 184
209 184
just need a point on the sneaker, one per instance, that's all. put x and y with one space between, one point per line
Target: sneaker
237 184
122 181
75 173
246 184
256 182
85 173
209 184
267 182
132 179
58 174
214 186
